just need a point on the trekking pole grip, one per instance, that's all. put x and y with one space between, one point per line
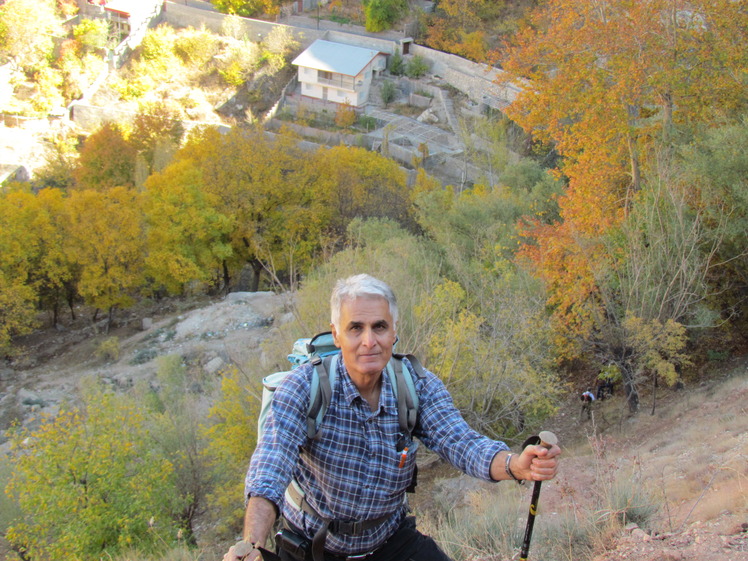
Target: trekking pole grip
546 439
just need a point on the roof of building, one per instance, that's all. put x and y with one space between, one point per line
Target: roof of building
335 57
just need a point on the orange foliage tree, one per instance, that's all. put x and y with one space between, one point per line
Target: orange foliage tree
607 81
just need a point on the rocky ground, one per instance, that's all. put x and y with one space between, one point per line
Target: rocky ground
691 453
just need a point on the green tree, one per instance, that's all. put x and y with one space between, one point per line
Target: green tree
396 66
383 14
90 482
177 417
92 34
388 92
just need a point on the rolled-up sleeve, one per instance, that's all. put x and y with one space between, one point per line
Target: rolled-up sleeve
442 428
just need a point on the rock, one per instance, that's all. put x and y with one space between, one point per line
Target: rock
147 323
213 365
640 535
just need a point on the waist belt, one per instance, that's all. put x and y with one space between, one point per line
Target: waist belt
297 498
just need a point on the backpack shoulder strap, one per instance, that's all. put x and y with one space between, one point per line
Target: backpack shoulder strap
405 391
323 381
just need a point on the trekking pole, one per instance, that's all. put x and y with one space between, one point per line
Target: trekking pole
545 439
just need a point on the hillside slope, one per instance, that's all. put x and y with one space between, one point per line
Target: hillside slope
691 455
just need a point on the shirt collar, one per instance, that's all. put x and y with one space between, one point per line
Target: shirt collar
387 401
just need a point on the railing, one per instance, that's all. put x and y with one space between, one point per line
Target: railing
342 82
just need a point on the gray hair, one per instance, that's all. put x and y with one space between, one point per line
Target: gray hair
356 286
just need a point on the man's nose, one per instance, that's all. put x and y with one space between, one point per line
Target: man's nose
368 338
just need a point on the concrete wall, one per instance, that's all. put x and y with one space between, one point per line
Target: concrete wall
383 45
182 15
477 81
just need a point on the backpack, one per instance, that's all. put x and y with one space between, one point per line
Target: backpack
321 351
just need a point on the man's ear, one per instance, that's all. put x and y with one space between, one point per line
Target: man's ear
334 335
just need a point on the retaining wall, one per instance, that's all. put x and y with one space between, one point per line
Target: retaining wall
181 15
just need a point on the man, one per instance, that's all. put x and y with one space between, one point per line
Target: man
353 471
587 398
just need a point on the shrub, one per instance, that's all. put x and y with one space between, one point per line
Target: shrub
416 67
388 92
397 66
109 349
196 47
367 122
345 116
91 34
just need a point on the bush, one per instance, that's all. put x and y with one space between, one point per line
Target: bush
196 48
388 92
367 122
345 116
109 349
416 67
397 66
239 62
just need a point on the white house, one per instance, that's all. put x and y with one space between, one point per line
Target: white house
338 73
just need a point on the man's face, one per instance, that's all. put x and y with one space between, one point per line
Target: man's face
366 336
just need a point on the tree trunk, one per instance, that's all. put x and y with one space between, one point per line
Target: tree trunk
629 387
257 274
226 276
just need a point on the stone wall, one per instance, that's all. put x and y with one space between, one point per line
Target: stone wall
477 81
182 15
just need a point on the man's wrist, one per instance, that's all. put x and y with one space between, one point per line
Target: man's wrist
508 469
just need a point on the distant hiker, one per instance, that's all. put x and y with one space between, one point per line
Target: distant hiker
607 378
587 398
342 493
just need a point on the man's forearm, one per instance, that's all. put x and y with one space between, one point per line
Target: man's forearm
258 520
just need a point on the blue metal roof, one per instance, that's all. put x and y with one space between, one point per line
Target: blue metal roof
335 57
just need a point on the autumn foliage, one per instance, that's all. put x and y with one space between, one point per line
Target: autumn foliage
612 82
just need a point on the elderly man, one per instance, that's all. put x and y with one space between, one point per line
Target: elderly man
348 497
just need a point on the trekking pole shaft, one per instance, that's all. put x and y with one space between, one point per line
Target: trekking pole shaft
530 521
547 439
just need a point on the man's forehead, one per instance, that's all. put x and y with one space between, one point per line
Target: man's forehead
369 308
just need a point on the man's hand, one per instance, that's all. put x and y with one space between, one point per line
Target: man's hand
242 551
536 463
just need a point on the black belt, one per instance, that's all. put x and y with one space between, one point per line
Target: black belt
352 528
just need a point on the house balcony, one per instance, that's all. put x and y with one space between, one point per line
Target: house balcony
339 82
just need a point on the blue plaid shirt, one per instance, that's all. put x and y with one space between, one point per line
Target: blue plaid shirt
351 470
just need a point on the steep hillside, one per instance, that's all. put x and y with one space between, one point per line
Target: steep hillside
691 455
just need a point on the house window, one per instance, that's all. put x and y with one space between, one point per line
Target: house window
325 75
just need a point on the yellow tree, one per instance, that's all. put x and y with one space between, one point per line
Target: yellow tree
363 184
106 160
107 242
187 237
269 190
90 482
